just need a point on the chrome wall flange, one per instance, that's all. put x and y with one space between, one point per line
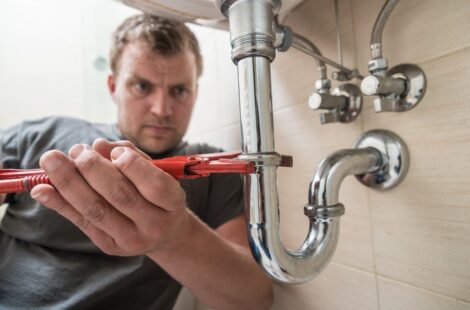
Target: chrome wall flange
416 85
353 105
395 156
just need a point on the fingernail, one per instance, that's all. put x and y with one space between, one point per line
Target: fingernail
117 152
50 162
39 196
98 141
77 149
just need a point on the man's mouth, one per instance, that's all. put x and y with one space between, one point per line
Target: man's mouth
158 130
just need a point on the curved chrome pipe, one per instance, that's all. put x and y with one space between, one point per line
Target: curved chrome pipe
323 210
283 265
324 187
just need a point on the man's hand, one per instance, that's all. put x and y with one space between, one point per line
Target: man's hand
126 206
129 207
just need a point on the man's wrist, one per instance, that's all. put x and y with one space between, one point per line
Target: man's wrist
177 238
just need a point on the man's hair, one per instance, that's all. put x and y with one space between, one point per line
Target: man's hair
162 36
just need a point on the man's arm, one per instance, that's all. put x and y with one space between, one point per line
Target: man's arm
128 207
219 272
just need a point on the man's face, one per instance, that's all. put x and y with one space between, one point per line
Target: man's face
155 96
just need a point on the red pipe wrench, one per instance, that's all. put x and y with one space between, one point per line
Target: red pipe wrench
180 167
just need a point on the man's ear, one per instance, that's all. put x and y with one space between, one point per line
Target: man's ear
111 84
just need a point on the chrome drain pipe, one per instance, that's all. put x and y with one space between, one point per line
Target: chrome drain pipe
252 37
261 193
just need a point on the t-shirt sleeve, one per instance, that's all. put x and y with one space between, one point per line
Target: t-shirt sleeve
225 199
10 157
9 150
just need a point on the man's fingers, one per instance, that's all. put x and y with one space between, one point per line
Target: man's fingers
78 194
155 185
48 196
111 184
105 147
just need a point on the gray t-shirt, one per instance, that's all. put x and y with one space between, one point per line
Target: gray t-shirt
48 263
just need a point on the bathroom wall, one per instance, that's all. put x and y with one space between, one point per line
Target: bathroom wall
53 58
408 248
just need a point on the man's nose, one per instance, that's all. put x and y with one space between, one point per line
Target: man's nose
161 104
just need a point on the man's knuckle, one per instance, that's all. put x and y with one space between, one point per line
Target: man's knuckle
108 249
160 185
94 211
60 208
108 246
63 184
151 227
121 195
89 163
132 242
181 197
81 222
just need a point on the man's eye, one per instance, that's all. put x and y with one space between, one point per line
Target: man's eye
142 87
180 91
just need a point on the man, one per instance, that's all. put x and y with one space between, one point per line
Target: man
145 228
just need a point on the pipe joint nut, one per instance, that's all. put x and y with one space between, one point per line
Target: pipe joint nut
323 85
252 30
253 45
283 37
263 159
324 213
378 65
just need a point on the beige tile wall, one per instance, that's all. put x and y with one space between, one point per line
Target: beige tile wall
408 248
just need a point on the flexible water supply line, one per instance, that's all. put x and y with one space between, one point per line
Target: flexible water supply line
376 37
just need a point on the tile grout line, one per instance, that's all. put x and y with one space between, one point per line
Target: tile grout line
355 269
425 290
374 263
445 54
